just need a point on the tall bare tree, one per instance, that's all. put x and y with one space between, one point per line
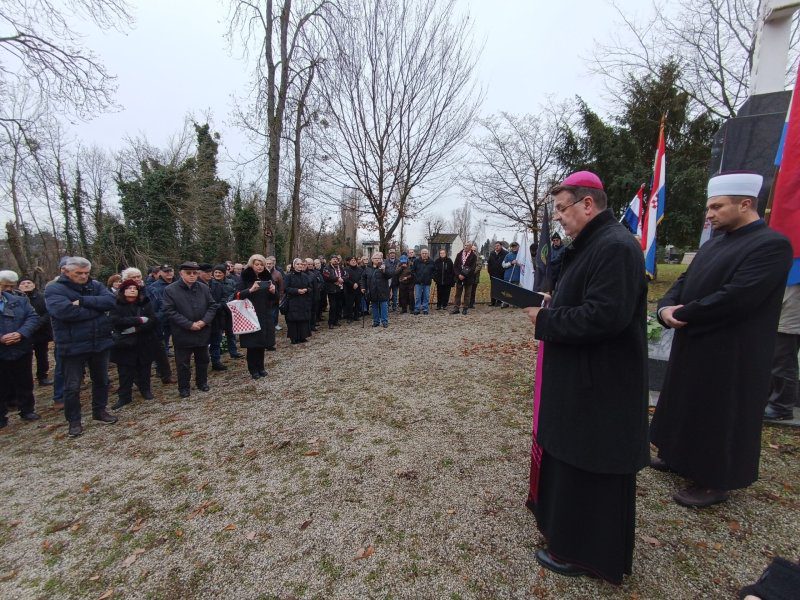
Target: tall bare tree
434 225
272 32
401 96
514 163
461 222
712 41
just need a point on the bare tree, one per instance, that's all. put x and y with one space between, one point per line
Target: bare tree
434 225
401 96
514 164
712 41
275 41
461 222
43 50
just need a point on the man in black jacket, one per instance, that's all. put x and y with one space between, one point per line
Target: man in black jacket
334 276
44 332
352 290
190 309
375 285
495 265
590 426
423 270
464 270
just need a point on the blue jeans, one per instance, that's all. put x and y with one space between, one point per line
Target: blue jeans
73 377
215 347
423 295
380 312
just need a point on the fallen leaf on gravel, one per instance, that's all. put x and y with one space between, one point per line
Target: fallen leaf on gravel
304 525
365 552
132 558
734 526
138 525
717 546
180 433
60 526
8 576
202 486
14 523
451 511
75 527
651 540
773 446
179 533
200 509
94 577
251 535
282 444
702 545
107 594
229 527
311 453
251 453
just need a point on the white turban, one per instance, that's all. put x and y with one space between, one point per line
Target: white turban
735 184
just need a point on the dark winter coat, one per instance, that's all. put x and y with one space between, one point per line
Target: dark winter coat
44 330
81 328
155 291
353 278
18 316
263 301
404 275
423 270
375 283
183 305
141 346
495 263
443 268
221 292
330 278
318 284
298 306
466 269
594 398
707 425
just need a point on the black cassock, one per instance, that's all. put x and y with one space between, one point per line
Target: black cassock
707 425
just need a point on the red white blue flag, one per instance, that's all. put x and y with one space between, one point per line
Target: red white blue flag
654 210
785 213
633 213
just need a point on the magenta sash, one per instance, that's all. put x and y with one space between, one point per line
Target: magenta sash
536 449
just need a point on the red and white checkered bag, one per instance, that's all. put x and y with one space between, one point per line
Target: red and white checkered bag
245 319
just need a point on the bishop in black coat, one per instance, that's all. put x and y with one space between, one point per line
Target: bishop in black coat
707 425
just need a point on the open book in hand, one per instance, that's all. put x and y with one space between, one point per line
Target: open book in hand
514 294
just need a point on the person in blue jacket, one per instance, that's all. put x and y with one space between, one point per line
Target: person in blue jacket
18 323
78 307
512 270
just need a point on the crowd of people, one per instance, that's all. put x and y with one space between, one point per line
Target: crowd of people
139 321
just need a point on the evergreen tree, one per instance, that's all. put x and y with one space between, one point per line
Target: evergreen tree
213 236
245 226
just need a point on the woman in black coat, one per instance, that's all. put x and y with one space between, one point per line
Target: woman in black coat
44 332
444 278
298 303
258 287
135 341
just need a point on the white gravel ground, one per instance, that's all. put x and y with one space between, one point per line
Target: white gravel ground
371 463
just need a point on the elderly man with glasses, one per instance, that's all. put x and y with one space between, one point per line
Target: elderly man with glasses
190 309
590 428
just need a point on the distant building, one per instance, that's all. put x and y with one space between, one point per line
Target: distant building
451 243
370 247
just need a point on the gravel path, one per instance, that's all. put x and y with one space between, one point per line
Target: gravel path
371 464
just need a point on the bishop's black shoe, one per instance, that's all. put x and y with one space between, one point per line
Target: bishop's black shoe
544 558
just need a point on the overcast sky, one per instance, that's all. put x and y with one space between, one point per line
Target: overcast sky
176 61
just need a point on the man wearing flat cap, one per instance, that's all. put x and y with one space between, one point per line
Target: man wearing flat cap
724 309
590 424
190 308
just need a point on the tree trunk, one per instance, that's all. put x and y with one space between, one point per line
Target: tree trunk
17 247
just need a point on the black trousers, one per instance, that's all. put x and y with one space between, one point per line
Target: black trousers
352 305
74 366
783 396
255 360
588 519
163 368
138 373
406 297
472 294
297 331
335 302
443 295
17 385
183 362
42 359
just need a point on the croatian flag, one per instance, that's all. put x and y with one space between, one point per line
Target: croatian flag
654 210
632 216
785 214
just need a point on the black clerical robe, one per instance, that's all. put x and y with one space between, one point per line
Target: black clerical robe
707 425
